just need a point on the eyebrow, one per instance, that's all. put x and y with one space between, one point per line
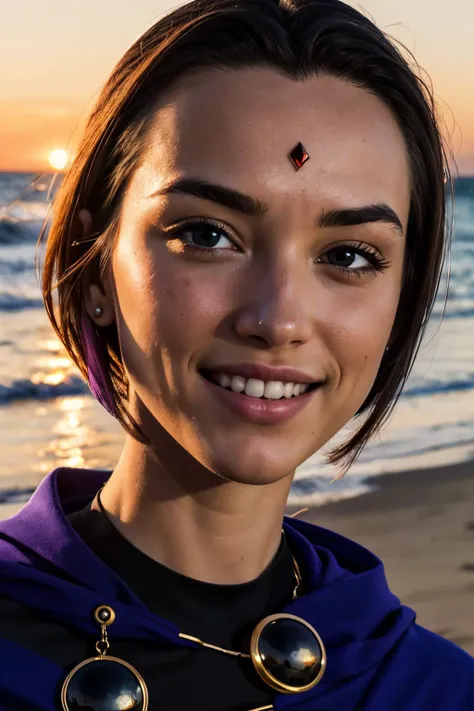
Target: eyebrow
381 212
250 206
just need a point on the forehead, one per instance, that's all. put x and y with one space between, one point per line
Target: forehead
236 127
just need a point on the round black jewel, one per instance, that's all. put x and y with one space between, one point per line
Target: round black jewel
104 614
104 685
290 653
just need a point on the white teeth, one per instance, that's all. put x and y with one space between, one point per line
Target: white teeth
237 384
224 380
273 390
254 388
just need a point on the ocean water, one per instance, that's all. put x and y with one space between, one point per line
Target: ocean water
48 417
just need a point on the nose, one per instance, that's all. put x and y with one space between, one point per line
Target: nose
278 307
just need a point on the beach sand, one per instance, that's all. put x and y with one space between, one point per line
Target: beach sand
421 524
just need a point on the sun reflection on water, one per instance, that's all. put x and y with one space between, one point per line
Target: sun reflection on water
73 436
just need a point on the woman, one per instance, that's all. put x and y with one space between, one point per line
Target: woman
246 251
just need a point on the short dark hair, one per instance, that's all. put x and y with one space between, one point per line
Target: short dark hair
299 38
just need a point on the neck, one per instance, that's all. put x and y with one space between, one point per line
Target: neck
196 523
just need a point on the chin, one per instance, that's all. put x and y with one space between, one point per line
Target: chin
252 457
256 470
263 476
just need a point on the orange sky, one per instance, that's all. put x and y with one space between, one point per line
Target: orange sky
55 55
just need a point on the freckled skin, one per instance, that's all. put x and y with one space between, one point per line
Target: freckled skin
269 300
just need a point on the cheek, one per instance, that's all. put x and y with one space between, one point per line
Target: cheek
364 325
187 311
171 307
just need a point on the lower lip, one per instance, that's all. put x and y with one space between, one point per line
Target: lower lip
268 412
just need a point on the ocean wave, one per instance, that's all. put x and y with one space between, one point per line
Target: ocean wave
17 302
452 312
16 495
438 387
464 230
15 266
422 440
25 389
317 489
13 231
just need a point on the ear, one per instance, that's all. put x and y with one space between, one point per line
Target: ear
93 291
85 218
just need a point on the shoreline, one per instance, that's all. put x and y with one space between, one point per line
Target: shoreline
421 524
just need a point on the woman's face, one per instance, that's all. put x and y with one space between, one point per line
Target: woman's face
295 284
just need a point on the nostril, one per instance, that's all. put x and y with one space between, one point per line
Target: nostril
258 340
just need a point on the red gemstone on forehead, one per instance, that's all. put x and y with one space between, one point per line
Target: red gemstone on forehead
298 156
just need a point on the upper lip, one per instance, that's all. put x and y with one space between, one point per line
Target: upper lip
264 372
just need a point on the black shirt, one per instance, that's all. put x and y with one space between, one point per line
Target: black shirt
182 679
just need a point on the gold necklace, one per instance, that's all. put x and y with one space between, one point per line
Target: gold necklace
243 655
196 640
286 651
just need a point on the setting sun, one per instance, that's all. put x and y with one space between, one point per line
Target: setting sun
58 159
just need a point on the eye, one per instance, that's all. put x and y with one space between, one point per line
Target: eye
346 257
359 259
204 235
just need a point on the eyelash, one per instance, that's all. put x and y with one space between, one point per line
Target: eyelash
379 264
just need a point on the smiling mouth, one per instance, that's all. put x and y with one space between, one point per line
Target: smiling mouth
259 389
